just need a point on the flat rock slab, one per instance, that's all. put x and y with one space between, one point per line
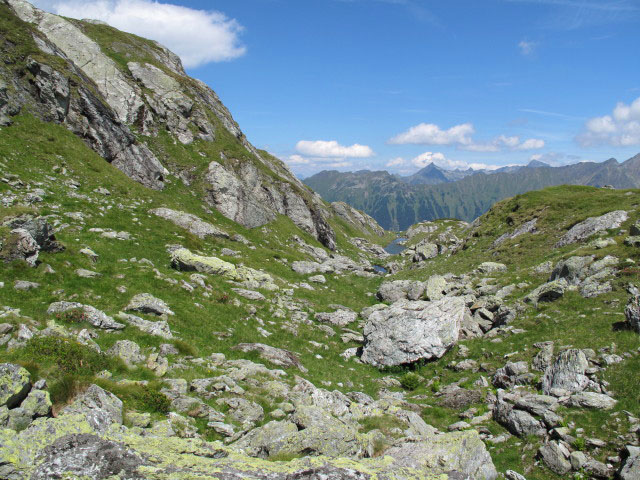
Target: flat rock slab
189 222
277 356
410 331
592 226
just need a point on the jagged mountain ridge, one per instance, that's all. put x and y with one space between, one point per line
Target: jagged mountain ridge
396 204
131 101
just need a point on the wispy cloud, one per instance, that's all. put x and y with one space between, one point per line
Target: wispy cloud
550 114
527 48
574 14
413 7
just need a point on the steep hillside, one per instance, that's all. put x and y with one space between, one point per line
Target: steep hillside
396 205
132 103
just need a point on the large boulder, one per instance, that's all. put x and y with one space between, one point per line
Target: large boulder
100 408
15 383
128 351
191 223
591 226
40 230
410 331
630 469
573 269
567 374
399 290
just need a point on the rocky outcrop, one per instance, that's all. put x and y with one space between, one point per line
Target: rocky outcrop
410 331
591 226
248 196
359 219
104 103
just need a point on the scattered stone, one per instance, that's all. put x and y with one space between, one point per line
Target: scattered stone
490 267
277 356
24 286
193 224
249 294
339 318
147 303
555 456
95 317
82 273
159 328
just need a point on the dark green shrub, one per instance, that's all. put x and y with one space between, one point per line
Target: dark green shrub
410 381
69 357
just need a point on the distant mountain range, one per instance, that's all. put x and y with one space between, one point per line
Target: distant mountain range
397 202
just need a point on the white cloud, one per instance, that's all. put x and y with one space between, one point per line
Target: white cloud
197 36
531 144
461 137
332 149
505 143
431 134
527 48
426 158
620 129
297 160
395 162
442 161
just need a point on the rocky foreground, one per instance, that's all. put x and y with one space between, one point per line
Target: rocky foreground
188 309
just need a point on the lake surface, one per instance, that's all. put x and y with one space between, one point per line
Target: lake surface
380 269
394 248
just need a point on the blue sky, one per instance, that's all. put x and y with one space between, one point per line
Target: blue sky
395 84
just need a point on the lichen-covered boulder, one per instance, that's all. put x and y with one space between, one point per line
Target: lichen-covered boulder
99 408
630 469
410 331
38 403
184 260
632 313
277 356
87 456
128 351
451 455
15 383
